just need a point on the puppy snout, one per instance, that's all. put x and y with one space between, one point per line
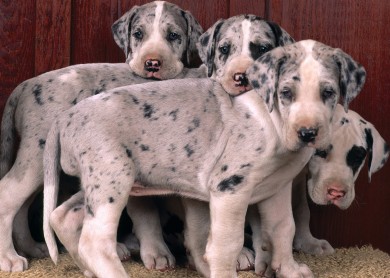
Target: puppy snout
240 79
335 194
307 135
152 65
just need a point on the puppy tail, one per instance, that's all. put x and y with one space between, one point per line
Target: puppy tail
51 158
8 133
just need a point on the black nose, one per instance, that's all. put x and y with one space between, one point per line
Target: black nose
152 65
307 135
240 79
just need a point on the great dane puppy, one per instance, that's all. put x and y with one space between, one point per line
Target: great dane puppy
209 146
227 48
333 172
158 39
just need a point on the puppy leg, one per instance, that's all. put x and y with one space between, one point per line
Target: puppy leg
226 236
278 229
15 188
197 227
24 242
103 206
155 253
303 239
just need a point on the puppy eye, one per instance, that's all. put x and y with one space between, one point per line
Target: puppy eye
264 48
327 94
138 35
286 93
224 49
173 36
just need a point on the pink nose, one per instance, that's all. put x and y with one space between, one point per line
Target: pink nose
335 194
152 65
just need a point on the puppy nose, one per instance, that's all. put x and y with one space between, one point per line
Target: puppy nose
152 65
240 79
307 135
335 194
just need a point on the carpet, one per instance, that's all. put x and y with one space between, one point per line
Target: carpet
364 262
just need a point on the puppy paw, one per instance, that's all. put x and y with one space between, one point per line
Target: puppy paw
12 262
246 260
123 252
313 246
157 256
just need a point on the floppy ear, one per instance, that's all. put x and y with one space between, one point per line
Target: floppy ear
121 31
194 30
352 76
206 45
281 36
377 149
264 74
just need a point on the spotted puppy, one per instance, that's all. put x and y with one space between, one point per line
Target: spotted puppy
158 39
242 150
333 173
227 48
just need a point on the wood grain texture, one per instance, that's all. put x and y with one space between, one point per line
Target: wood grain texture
52 42
256 7
17 36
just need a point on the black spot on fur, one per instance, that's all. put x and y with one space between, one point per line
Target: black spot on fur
355 157
189 150
363 122
205 40
263 78
321 153
245 165
144 147
194 125
344 120
230 183
89 211
129 153
370 143
41 143
148 110
111 200
255 84
224 168
173 114
90 169
37 91
296 78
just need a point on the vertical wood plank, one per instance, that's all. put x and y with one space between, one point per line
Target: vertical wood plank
91 39
256 7
360 28
17 34
52 42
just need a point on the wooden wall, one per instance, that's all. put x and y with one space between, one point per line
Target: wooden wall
41 35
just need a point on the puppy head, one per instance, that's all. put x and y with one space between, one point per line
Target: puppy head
304 82
158 39
231 45
333 172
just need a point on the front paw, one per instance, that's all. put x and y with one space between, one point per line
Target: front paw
157 256
313 246
293 270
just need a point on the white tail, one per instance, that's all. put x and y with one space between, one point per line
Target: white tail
51 165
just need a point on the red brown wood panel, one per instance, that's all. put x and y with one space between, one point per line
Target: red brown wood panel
360 28
17 35
52 43
91 39
256 7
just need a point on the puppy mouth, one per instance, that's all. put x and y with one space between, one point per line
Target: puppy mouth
241 82
153 75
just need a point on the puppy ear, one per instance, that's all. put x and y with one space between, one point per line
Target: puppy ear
352 76
264 75
206 45
194 30
377 149
121 30
282 38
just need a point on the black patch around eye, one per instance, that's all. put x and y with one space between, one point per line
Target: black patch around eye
258 49
225 49
355 157
229 183
138 35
